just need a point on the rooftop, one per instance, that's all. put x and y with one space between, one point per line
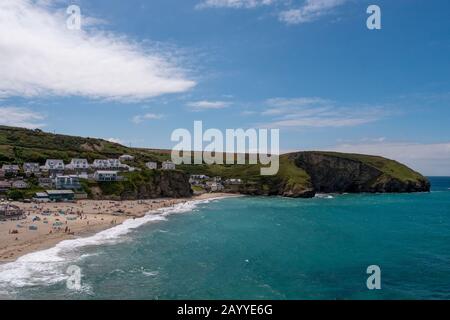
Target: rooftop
58 192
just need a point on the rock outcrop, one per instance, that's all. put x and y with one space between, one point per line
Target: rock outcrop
174 184
338 173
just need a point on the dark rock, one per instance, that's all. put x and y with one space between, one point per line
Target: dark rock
334 174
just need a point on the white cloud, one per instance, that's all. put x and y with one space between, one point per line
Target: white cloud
311 10
318 112
148 116
39 56
233 3
429 159
208 105
287 11
21 117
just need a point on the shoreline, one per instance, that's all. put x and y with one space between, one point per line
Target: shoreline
56 222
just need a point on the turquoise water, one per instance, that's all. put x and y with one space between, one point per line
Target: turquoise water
258 248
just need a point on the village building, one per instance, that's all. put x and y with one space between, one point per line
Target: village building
9 211
214 186
20 184
168 165
11 169
60 195
46 183
41 197
198 179
152 165
54 164
67 182
107 164
31 168
126 157
2 174
106 176
78 164
5 186
54 167
233 181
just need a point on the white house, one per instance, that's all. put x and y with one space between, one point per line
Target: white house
78 164
67 182
215 187
168 165
107 164
11 168
5 186
234 181
54 164
126 157
105 175
20 184
152 165
46 183
31 167
199 177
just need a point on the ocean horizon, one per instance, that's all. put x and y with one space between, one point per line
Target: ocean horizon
255 248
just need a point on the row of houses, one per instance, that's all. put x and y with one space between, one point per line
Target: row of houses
17 184
69 182
215 184
58 166
72 182
166 165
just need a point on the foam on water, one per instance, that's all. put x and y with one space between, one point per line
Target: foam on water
48 267
324 196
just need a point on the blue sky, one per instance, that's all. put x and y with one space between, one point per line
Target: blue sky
140 69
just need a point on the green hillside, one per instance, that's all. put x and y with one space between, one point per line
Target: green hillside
19 145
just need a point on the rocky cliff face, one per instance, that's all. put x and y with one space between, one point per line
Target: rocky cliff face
171 184
332 173
303 174
174 184
276 186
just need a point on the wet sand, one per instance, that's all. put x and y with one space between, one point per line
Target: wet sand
55 222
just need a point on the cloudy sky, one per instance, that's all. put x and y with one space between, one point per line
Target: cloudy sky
139 69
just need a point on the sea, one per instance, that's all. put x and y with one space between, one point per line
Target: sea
255 248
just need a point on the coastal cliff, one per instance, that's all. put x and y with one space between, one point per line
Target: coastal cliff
304 174
144 185
334 172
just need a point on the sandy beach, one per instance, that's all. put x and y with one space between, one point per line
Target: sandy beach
47 224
